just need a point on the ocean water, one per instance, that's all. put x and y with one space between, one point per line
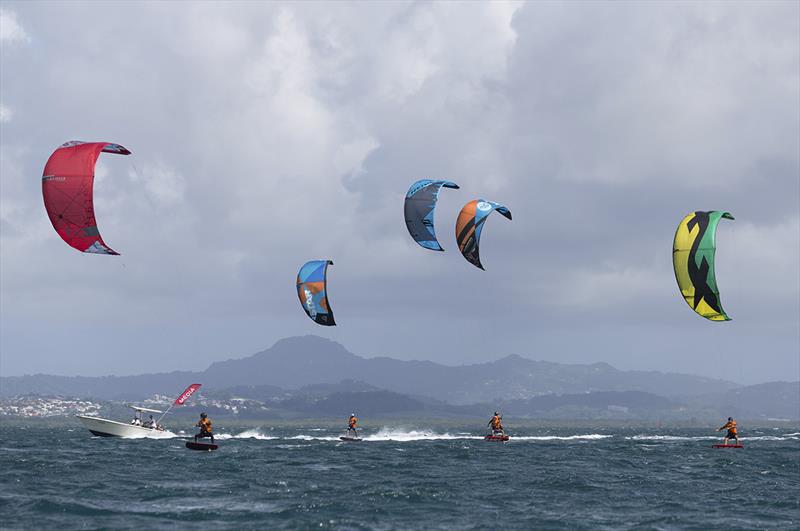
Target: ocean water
303 477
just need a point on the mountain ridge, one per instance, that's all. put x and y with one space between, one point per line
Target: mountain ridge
295 362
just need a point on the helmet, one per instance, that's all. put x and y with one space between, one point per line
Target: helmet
730 418
496 413
352 414
203 415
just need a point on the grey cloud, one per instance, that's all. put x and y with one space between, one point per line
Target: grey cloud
264 135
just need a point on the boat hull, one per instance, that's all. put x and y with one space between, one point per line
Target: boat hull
112 428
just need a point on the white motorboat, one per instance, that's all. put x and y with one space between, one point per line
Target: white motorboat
136 429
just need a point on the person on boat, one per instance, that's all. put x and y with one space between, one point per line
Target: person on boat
732 433
136 420
352 425
152 422
205 428
496 424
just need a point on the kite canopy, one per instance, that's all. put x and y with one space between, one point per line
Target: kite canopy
312 291
67 189
470 224
419 206
693 259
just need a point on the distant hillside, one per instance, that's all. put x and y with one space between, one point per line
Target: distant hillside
602 404
336 401
104 387
300 361
767 401
297 362
773 400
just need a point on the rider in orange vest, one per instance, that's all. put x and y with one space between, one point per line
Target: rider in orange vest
496 424
205 428
732 433
352 424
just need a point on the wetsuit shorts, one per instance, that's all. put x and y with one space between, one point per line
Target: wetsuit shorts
204 434
731 434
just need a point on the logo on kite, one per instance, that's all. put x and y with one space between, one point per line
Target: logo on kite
310 308
470 224
419 207
693 251
312 288
68 190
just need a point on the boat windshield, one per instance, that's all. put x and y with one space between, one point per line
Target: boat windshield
144 409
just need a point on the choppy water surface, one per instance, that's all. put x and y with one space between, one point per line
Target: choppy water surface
303 477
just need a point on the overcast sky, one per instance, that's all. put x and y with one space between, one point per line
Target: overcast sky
267 134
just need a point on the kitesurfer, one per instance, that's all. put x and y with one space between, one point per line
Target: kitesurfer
205 428
496 424
732 434
352 425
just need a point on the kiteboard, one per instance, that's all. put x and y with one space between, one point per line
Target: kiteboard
203 447
350 439
496 438
727 446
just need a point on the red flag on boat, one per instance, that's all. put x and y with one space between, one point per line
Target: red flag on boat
184 396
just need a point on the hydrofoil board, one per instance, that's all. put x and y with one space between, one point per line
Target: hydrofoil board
497 438
351 439
727 446
204 447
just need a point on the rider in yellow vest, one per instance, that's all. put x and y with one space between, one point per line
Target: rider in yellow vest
205 428
732 433
496 424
